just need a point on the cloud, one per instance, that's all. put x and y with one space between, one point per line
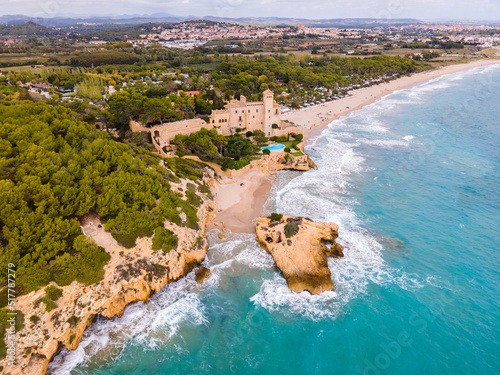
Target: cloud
422 9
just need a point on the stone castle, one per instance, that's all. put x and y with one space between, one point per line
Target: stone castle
238 114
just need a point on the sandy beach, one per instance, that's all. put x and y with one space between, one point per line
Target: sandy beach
314 118
241 200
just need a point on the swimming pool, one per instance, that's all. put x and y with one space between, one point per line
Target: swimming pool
276 147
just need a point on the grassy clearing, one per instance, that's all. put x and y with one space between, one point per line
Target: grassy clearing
290 144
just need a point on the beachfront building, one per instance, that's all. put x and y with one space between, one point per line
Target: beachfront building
253 115
238 114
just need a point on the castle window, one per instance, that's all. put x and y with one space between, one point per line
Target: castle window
240 118
248 111
268 111
276 111
253 116
256 110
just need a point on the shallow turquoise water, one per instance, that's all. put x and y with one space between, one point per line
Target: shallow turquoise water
414 182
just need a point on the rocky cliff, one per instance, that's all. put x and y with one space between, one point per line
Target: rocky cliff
300 248
131 275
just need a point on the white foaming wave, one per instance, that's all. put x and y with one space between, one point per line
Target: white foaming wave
375 127
255 257
385 143
274 295
238 248
233 256
419 92
322 195
361 266
350 162
147 323
366 119
315 206
485 69
408 137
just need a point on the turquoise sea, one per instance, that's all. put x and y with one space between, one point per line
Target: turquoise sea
413 180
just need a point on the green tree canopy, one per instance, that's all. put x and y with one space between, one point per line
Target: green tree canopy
54 170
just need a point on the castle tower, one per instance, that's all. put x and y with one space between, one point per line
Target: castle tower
268 99
268 110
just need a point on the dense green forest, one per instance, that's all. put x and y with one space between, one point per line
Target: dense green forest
249 76
103 58
54 170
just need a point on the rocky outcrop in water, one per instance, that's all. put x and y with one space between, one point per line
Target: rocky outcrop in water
201 274
300 248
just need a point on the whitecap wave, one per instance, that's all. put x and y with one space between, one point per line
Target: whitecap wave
324 195
386 143
275 296
148 323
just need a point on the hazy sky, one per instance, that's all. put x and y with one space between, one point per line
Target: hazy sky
421 9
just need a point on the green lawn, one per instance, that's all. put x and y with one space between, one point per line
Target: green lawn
288 144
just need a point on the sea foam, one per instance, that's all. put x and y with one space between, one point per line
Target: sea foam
323 195
147 324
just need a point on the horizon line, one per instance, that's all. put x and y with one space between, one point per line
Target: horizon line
166 15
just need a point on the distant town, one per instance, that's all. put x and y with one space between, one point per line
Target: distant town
194 34
199 66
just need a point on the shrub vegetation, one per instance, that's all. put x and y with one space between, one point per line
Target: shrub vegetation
291 229
276 217
53 292
165 240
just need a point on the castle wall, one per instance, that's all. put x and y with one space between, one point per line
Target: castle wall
137 127
167 132
254 116
219 119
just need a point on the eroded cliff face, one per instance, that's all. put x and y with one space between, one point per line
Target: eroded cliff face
131 275
300 248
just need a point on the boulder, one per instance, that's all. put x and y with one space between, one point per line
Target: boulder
201 274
